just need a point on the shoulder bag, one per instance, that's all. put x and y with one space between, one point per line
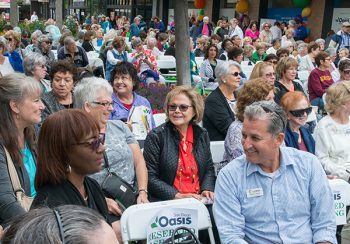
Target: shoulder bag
113 186
22 198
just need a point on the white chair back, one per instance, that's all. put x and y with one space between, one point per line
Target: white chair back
199 61
166 64
303 75
136 219
159 118
166 57
92 55
97 62
339 185
217 149
247 68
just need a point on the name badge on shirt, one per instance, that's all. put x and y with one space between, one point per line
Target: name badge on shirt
255 192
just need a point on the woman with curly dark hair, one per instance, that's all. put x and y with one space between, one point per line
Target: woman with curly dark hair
253 91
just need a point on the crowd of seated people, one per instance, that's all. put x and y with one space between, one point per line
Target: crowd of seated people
67 125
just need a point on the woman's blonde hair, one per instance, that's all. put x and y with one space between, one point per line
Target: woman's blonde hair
258 69
284 64
337 95
193 95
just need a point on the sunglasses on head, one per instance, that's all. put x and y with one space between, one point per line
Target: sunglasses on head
346 71
94 144
301 112
182 107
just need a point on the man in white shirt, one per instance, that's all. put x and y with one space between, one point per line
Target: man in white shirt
235 29
34 17
276 30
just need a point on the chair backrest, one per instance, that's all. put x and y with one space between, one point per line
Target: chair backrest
92 55
303 75
136 219
199 61
217 149
247 68
159 118
166 57
166 64
339 185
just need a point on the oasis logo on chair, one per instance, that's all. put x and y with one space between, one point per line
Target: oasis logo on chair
166 221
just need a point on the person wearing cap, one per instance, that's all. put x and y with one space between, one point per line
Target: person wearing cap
272 194
342 38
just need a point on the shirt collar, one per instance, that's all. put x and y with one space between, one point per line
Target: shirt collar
285 160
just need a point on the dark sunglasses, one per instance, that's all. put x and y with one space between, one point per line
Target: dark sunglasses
273 61
235 74
48 42
104 104
95 144
9 39
182 107
270 74
301 112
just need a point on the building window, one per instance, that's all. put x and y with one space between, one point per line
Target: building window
230 3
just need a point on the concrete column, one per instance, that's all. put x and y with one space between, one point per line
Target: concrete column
154 8
208 9
59 13
315 21
254 6
13 13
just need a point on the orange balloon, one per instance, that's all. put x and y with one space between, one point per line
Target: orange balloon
242 7
199 4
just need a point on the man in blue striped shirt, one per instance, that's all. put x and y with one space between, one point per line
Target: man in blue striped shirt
272 194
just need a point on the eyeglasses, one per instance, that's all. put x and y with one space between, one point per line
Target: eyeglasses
182 107
235 74
9 39
43 66
104 104
48 42
95 144
270 74
273 61
346 71
266 26
301 112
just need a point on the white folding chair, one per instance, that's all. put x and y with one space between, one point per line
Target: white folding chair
217 149
137 218
92 55
303 75
338 185
159 118
166 64
166 57
199 61
247 68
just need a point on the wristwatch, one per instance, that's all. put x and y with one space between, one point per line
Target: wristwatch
143 189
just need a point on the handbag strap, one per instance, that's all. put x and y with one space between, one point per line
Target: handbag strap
13 173
105 158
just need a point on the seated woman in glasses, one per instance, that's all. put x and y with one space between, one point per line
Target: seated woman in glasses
35 66
70 147
219 105
94 95
344 69
297 108
177 153
264 70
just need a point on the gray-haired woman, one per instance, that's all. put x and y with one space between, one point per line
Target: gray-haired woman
35 66
5 65
219 105
35 40
44 48
94 95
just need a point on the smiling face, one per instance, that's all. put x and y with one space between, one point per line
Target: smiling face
297 122
101 107
180 118
29 109
290 73
260 146
122 84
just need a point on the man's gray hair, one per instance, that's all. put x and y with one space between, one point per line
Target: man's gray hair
36 34
32 60
223 69
136 42
68 40
89 89
151 40
301 47
320 40
270 110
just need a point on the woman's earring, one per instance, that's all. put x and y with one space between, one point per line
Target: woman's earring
224 81
17 116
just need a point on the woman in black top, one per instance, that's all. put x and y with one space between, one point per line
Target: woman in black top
70 148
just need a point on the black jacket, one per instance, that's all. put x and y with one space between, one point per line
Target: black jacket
281 90
218 115
161 154
65 193
9 207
